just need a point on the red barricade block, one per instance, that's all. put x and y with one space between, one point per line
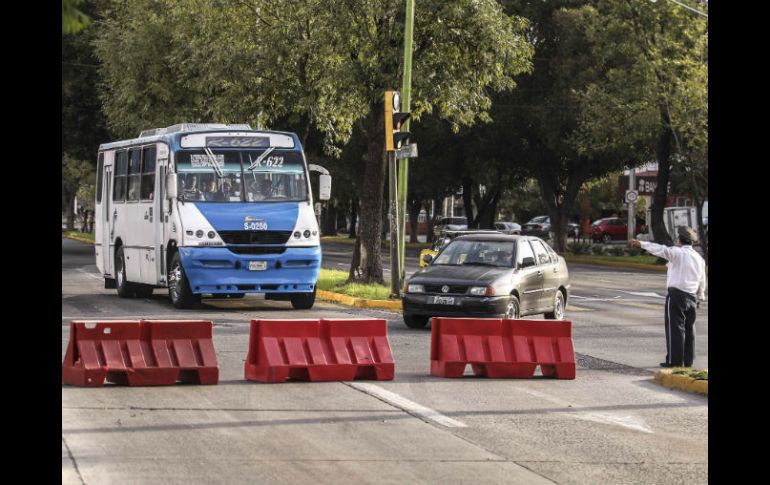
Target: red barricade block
501 348
140 353
319 350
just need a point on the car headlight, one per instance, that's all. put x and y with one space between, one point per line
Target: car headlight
415 289
482 290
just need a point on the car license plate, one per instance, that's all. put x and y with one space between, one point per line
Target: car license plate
257 265
444 300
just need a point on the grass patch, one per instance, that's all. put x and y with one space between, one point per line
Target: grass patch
699 375
334 280
83 236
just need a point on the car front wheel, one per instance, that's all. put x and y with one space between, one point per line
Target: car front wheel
512 311
606 238
416 321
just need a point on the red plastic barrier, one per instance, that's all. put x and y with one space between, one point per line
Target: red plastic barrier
500 348
140 353
319 350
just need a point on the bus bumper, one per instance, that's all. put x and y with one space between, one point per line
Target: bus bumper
219 270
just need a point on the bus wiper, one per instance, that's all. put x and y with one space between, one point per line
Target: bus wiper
259 159
214 162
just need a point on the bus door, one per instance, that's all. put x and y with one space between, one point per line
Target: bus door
106 220
145 230
161 213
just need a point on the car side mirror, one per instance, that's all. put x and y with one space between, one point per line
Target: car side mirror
527 262
428 258
171 186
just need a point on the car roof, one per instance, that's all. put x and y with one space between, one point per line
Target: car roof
492 237
462 232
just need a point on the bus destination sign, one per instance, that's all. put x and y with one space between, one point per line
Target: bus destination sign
238 141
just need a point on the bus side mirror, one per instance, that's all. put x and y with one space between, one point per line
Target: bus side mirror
325 187
171 186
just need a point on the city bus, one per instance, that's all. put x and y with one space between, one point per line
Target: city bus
208 209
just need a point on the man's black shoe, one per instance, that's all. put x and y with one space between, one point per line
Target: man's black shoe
663 364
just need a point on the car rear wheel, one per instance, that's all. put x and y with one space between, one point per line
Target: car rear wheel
558 307
416 321
512 311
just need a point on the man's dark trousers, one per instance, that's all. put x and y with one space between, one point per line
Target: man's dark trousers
680 327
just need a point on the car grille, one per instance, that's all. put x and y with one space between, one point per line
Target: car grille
453 289
255 237
257 249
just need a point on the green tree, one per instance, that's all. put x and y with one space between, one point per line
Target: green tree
652 98
72 19
76 173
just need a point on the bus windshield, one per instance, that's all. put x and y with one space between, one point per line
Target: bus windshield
241 175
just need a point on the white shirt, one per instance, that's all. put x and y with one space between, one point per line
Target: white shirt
686 268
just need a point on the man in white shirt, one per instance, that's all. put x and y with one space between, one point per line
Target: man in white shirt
686 282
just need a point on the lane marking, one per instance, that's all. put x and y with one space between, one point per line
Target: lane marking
81 270
627 421
405 404
573 308
654 306
588 298
651 294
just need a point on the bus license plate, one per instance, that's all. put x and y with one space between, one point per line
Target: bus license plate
444 300
257 265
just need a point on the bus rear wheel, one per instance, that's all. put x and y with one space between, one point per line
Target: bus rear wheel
302 301
179 290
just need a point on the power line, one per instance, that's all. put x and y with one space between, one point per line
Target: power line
687 7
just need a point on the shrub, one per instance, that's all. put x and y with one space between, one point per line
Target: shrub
617 251
579 248
598 249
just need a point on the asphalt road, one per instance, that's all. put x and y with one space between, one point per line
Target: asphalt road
609 425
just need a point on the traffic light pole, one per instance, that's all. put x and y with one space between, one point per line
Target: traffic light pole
395 266
403 166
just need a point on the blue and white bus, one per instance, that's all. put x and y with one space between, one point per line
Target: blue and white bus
208 209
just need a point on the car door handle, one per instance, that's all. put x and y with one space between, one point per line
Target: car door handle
539 273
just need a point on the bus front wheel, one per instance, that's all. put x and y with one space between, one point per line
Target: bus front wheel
125 289
302 301
179 290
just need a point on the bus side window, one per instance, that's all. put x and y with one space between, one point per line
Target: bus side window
99 178
148 173
119 185
134 173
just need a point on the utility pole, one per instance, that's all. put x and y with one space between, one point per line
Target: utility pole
403 166
395 269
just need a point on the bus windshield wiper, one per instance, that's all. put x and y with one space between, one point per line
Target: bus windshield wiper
259 159
214 162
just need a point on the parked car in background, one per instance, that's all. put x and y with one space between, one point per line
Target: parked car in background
612 229
508 227
573 229
450 224
441 241
488 275
538 226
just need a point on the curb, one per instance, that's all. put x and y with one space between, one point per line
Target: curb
357 302
681 382
616 264
87 241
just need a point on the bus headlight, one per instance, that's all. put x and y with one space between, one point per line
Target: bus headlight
212 234
199 233
306 233
296 234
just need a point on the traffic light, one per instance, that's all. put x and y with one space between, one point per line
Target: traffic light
394 137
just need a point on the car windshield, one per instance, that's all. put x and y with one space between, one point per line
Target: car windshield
540 219
479 253
241 175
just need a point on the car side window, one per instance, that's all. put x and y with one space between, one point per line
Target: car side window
525 251
541 253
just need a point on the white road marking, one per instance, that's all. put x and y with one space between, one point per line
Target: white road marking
81 270
405 404
627 421
651 294
587 298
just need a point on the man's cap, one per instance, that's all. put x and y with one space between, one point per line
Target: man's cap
687 232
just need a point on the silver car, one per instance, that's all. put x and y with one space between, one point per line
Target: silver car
489 275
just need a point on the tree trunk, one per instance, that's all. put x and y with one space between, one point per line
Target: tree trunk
560 204
371 203
69 201
663 153
414 214
330 219
353 218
